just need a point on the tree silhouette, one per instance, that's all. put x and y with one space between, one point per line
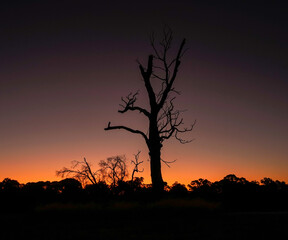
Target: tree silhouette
178 189
10 185
114 169
136 164
200 186
81 171
164 120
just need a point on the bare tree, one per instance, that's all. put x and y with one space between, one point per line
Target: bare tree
80 171
136 165
114 169
164 120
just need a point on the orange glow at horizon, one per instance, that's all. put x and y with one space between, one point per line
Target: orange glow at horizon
61 82
183 171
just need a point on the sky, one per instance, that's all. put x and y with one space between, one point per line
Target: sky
65 65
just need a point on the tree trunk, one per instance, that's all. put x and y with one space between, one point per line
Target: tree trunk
155 155
155 165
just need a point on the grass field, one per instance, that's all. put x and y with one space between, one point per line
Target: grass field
169 219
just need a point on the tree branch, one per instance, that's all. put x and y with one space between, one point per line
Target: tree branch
109 127
89 170
170 83
183 131
129 104
168 162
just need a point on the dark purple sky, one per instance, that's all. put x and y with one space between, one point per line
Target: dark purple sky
65 65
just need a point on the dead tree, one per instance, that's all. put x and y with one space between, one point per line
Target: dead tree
136 165
164 120
81 171
114 169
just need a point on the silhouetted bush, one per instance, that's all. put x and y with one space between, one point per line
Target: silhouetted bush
202 188
10 186
10 195
232 193
98 191
178 189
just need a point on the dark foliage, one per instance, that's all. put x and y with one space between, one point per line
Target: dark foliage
230 193
178 189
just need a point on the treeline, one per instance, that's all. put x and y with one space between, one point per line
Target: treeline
231 192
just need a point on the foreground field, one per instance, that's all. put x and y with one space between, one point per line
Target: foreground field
128 220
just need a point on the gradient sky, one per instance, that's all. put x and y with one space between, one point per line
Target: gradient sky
65 65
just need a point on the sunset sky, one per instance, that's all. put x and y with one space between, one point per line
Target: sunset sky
65 65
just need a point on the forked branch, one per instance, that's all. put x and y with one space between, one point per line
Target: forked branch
170 123
128 104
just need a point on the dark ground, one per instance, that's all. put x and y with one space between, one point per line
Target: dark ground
141 221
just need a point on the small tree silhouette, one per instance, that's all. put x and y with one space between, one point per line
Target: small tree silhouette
178 189
114 169
136 165
81 171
